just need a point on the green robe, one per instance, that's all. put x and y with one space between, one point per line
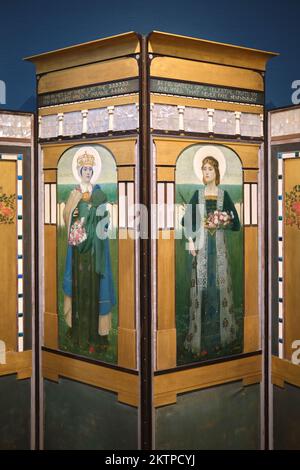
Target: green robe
88 263
212 325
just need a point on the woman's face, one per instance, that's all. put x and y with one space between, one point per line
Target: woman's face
86 174
209 174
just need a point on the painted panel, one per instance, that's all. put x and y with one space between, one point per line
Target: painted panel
8 256
87 253
291 237
209 254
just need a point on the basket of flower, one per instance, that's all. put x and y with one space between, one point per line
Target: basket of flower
77 233
217 220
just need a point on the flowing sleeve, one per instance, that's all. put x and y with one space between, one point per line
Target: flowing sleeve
229 207
190 221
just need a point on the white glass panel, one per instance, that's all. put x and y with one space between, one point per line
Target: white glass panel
280 330
280 187
254 204
250 125
125 117
130 204
165 117
161 204
280 289
20 266
20 344
20 325
285 122
170 205
122 205
47 203
20 227
20 305
280 228
20 167
224 122
280 350
13 125
20 286
53 203
247 204
280 208
288 155
97 121
280 166
72 124
195 120
280 269
49 126
19 207
20 247
20 187
280 309
7 156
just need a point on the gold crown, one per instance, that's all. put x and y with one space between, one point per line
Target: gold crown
86 160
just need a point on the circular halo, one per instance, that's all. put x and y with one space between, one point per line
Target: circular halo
208 151
96 168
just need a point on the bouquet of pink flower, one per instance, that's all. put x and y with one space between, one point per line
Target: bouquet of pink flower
77 233
217 220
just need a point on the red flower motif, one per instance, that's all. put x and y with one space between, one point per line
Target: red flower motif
91 349
296 207
7 211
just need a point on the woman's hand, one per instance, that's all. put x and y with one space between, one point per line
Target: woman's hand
192 249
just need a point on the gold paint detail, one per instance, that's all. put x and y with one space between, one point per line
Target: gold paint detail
50 270
127 348
166 349
51 330
250 176
50 176
123 150
165 174
209 51
19 363
201 72
284 371
126 173
125 385
116 69
169 149
167 386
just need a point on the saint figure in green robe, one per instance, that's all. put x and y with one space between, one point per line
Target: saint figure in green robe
88 285
212 327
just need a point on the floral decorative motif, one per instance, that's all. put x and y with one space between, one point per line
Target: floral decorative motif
217 220
292 207
77 233
7 208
